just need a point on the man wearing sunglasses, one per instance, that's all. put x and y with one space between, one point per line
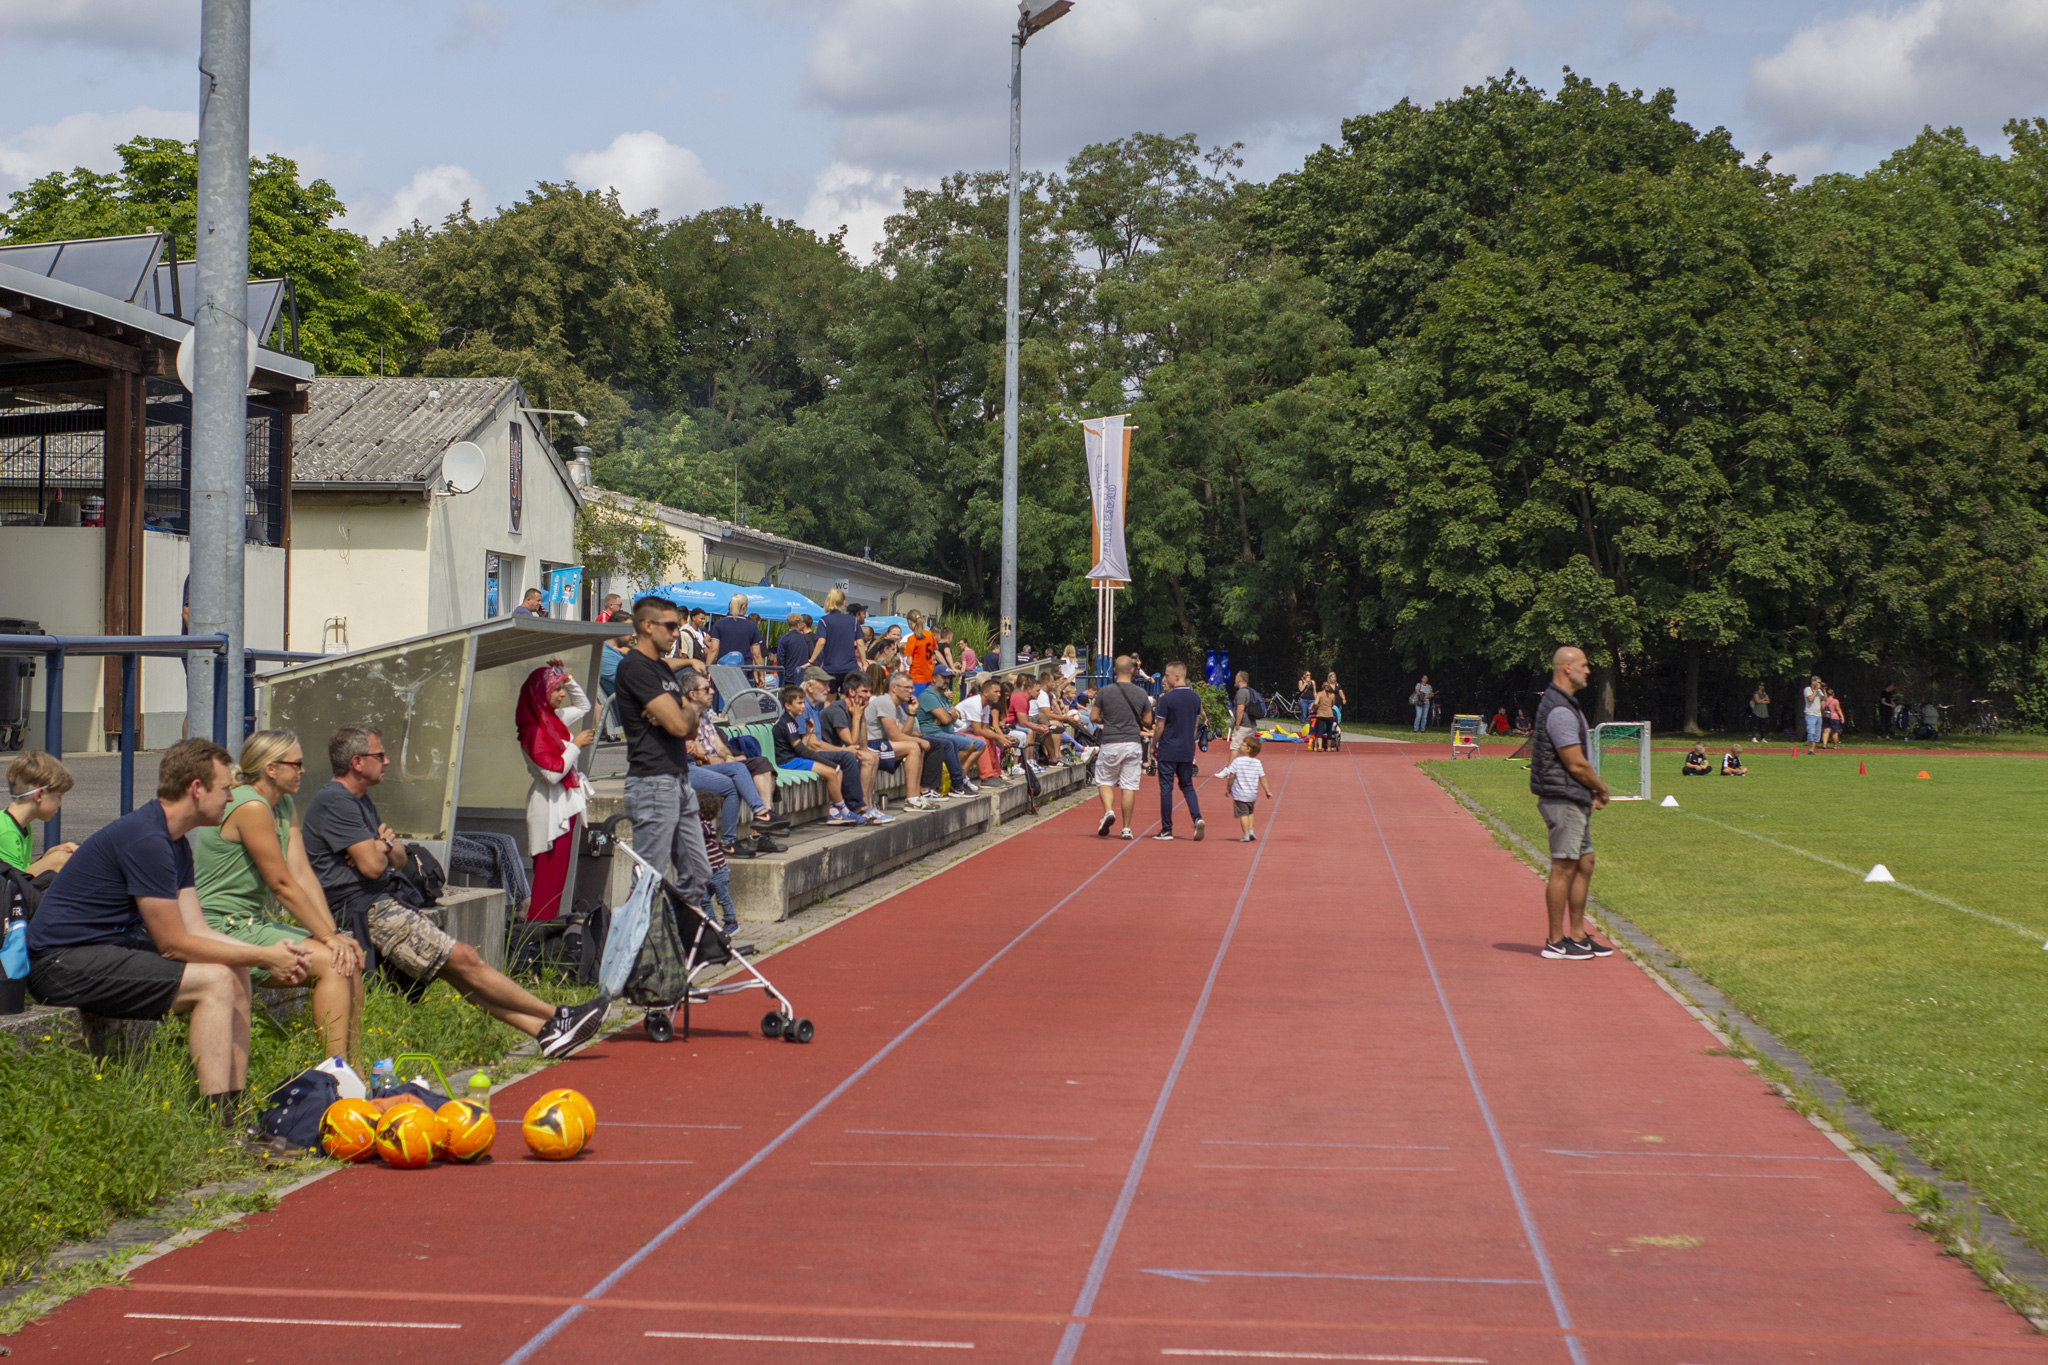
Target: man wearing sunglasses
353 853
659 715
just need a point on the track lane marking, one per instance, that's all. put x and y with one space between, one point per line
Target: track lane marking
1084 1302
815 1341
1008 1165
1203 1276
1697 1175
604 1286
1707 1156
1217 1166
1316 1355
294 1322
1376 1146
1551 1287
993 1137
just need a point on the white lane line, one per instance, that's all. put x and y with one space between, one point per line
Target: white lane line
814 1341
999 1137
1706 1156
587 1163
1700 1175
294 1322
1376 1146
1076 1165
1217 1167
722 1127
1204 1276
1858 872
1315 1355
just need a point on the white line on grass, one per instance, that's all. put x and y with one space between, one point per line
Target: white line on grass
1858 873
294 1322
815 1341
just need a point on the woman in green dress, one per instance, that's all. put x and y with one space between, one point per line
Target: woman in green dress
252 872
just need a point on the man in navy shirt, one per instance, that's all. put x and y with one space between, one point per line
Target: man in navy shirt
120 932
1175 717
734 638
795 650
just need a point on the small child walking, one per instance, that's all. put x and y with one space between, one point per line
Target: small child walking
1247 779
709 807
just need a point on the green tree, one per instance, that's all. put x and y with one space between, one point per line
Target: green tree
343 324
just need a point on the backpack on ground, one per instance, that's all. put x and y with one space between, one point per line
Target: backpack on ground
293 1110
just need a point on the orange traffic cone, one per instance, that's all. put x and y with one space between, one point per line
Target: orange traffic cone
1861 771
1923 776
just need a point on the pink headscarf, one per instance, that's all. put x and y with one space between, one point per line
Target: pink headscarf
542 736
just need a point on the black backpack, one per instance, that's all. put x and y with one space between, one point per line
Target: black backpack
421 881
1255 709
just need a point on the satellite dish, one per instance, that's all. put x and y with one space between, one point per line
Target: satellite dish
462 465
188 357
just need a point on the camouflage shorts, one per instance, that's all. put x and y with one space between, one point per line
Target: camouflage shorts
409 940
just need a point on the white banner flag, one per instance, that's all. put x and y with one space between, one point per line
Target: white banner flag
1109 467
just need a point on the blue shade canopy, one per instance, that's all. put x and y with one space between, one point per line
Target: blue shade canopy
775 604
712 594
881 624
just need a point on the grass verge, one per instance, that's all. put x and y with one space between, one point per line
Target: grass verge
1926 1000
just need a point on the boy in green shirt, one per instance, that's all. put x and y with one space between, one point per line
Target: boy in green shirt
36 784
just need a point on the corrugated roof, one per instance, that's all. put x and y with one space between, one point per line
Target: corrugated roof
371 429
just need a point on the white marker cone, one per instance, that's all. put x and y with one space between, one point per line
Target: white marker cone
1880 873
1668 801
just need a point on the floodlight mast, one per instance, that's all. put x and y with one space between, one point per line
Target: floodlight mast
218 514
1032 16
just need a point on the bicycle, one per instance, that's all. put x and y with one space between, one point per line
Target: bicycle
1985 721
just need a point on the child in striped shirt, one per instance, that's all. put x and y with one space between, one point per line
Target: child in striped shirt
709 805
1247 779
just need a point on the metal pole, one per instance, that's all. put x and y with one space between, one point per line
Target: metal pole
130 672
220 370
1008 623
53 734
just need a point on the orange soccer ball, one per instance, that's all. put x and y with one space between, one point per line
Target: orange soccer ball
554 1129
348 1130
470 1129
575 1099
409 1135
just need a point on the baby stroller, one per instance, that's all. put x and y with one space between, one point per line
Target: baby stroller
659 947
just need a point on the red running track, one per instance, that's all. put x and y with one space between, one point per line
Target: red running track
1080 1100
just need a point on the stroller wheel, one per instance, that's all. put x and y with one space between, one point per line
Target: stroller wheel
771 1025
799 1031
659 1026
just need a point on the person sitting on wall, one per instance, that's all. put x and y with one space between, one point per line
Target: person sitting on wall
1696 763
120 932
1731 762
36 783
354 854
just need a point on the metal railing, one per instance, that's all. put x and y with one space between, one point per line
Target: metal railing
131 649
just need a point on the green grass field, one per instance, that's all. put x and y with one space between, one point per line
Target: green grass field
1932 1017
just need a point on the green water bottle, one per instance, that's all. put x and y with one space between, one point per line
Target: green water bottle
480 1089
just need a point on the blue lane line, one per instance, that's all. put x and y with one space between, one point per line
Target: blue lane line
653 1244
1500 1146
1204 1276
1070 1340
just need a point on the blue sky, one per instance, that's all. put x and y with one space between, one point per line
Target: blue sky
825 109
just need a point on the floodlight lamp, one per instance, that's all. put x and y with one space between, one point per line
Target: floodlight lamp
1037 14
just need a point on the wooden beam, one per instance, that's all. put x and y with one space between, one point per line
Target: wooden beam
76 345
295 401
121 607
48 373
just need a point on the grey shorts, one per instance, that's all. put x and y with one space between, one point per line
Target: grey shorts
409 940
1570 825
1120 765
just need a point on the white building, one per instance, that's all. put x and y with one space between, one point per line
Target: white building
380 550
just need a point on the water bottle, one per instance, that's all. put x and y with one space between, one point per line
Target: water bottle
480 1090
381 1078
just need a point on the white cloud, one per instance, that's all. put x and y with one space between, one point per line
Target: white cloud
84 140
649 172
167 28
857 199
1876 76
430 196
1643 22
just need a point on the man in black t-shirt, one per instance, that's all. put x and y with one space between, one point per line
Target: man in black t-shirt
1123 711
357 858
659 719
120 932
1174 719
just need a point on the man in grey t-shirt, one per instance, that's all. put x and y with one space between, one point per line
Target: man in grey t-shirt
1568 790
1123 711
1243 724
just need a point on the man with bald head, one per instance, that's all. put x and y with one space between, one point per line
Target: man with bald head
1568 790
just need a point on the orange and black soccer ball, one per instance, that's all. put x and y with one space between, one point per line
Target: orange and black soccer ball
554 1129
409 1134
575 1099
470 1130
348 1130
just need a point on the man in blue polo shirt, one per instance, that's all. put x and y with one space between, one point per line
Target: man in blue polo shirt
120 932
1175 717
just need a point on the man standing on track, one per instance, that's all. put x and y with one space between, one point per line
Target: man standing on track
1568 791
660 721
1122 710
1173 738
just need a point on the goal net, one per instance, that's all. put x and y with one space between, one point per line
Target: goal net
1621 755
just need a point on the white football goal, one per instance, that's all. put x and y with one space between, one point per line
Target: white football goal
1621 755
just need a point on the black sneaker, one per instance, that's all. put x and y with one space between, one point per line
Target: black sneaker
571 1028
1561 948
1106 824
740 850
764 844
1593 946
777 823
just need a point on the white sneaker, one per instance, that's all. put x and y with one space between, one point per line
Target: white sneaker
1089 753
871 816
921 802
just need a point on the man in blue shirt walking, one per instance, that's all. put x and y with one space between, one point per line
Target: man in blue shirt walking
1175 717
